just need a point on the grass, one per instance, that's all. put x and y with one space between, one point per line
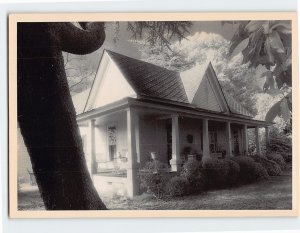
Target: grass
264 195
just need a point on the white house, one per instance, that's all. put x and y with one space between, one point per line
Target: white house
134 108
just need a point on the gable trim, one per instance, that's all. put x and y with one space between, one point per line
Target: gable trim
101 63
217 89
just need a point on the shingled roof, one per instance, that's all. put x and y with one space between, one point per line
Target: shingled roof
150 80
236 107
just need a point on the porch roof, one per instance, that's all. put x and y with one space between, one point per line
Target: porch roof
166 107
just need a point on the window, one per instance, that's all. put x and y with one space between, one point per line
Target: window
112 142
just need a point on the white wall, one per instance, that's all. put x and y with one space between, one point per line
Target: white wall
112 86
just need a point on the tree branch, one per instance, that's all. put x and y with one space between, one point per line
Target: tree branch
77 41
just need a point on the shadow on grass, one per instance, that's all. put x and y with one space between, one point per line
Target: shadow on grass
274 194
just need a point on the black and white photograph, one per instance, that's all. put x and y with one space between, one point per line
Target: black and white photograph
148 114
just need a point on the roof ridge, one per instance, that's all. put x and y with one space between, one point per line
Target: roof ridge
122 55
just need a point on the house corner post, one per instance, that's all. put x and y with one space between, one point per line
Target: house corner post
91 156
257 141
132 182
245 139
205 138
175 161
228 140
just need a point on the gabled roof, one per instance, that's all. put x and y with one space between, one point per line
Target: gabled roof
236 107
148 80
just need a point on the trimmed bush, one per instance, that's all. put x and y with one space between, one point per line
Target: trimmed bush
177 186
152 178
155 166
192 171
233 174
260 172
278 159
216 172
250 171
272 167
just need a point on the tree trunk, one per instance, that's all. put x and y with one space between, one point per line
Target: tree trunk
46 114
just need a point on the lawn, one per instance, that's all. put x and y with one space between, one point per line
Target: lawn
264 195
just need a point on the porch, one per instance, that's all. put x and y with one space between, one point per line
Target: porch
119 143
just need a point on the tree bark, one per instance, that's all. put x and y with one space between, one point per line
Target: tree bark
46 114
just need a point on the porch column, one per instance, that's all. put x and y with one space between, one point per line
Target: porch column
257 142
175 161
228 140
205 138
137 139
245 139
132 185
267 136
91 149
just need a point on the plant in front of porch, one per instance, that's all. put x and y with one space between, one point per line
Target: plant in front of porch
178 186
250 171
192 171
153 178
271 166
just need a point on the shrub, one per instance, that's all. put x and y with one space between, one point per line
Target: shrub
152 179
272 167
250 171
278 159
260 172
177 186
216 172
192 171
233 174
155 166
280 143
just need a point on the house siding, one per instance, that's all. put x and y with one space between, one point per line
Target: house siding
205 97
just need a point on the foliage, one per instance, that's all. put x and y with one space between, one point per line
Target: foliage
271 166
159 32
192 171
177 186
280 108
278 159
269 45
280 143
153 178
216 172
233 174
200 48
155 166
250 171
260 173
